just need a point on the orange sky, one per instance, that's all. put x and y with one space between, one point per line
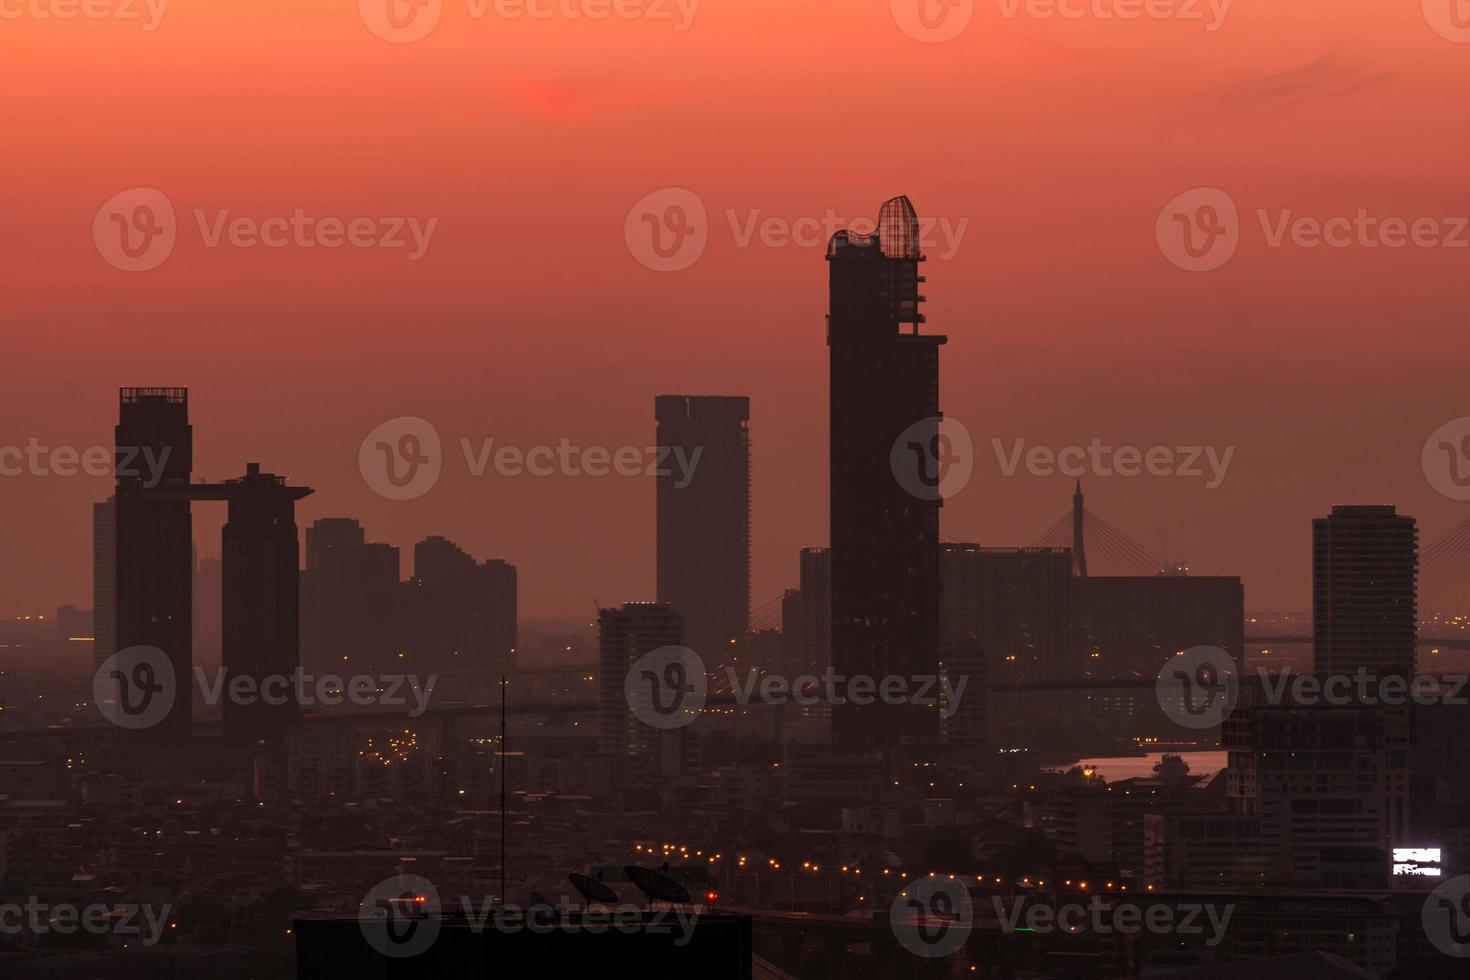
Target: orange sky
528 318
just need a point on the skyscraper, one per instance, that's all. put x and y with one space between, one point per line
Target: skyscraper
1365 564
703 514
885 533
104 579
260 610
154 536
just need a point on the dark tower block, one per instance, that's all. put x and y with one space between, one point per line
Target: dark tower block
154 538
703 504
1365 568
885 538
261 607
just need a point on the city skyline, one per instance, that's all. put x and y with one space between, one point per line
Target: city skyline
890 490
1057 296
771 562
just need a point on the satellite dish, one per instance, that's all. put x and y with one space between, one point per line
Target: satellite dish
658 886
591 889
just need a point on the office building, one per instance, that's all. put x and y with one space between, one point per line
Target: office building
154 536
1365 562
260 609
885 530
703 515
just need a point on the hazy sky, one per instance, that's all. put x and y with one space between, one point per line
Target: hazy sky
1046 146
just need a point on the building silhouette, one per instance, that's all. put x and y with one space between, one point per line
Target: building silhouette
1130 625
349 593
1019 605
154 569
104 580
501 630
472 606
884 535
1365 563
260 610
703 516
208 614
816 608
624 634
154 536
1329 784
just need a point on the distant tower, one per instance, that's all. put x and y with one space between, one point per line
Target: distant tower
474 605
349 600
1365 564
261 604
1079 540
155 537
885 536
703 516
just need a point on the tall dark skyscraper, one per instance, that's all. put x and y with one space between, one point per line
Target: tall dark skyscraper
260 609
154 536
885 537
1365 564
704 516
